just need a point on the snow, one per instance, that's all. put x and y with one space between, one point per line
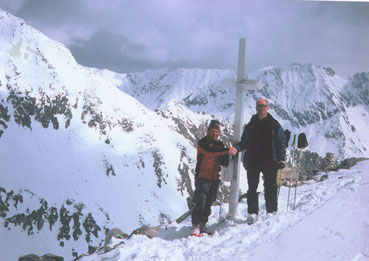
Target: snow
330 222
70 164
303 97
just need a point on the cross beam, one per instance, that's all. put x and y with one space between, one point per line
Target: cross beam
240 83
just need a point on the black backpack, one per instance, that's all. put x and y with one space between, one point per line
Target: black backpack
302 141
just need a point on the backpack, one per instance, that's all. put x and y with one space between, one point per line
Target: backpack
302 141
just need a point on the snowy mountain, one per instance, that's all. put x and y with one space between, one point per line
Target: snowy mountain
198 89
77 154
306 98
83 150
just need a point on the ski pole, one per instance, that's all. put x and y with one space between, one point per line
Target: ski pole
289 190
287 134
279 181
301 144
292 163
297 179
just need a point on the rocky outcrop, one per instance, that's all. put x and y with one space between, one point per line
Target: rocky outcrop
46 257
70 219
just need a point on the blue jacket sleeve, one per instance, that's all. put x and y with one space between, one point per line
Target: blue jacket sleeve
281 144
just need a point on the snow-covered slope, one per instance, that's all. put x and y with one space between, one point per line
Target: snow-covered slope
330 222
82 149
304 97
78 154
198 89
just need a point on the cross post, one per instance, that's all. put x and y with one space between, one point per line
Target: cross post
240 83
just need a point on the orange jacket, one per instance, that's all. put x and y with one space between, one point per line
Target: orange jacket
210 156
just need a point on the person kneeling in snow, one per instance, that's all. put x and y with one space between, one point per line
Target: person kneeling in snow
211 154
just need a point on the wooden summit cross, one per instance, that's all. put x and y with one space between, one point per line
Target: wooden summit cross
240 83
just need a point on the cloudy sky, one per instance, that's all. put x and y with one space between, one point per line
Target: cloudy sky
135 35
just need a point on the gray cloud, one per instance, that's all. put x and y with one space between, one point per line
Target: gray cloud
52 13
128 36
105 49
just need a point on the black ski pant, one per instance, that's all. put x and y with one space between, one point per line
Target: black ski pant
204 196
270 188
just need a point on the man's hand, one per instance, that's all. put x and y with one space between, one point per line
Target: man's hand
232 151
281 164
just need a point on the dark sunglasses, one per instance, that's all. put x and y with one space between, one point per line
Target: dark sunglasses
261 106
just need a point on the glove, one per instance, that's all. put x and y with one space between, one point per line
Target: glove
281 164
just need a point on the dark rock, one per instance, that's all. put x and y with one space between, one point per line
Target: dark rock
51 257
31 257
46 257
148 231
348 163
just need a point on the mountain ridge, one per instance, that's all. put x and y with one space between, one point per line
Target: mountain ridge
304 97
73 145
83 149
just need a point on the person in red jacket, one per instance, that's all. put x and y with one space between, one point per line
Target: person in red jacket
211 155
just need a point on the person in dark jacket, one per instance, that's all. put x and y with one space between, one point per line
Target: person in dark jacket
211 155
264 141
